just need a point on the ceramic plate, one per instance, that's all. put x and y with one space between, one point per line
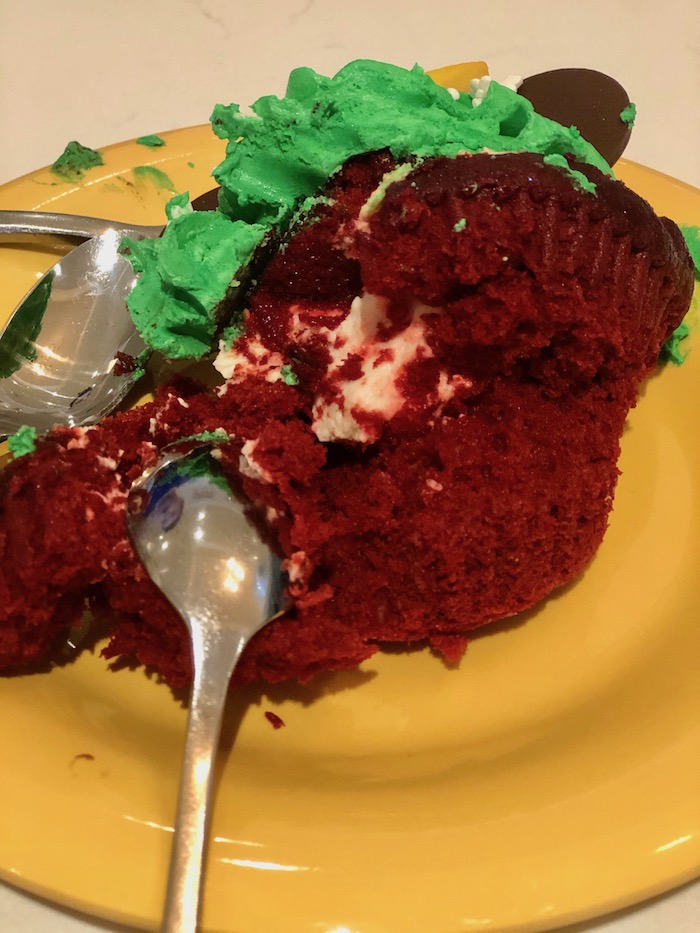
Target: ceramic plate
553 775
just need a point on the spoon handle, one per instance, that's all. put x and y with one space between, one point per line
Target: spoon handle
215 652
39 222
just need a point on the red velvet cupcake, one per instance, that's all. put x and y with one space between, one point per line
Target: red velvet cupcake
424 410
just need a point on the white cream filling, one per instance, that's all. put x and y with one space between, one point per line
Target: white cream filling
376 390
249 466
340 403
80 439
236 365
114 495
295 566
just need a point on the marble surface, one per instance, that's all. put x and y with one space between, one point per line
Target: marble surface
103 72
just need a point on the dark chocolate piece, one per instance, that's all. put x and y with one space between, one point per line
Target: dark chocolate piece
209 201
586 99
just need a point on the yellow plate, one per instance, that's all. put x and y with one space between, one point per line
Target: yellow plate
552 776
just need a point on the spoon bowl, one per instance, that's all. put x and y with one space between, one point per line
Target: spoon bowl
194 538
58 348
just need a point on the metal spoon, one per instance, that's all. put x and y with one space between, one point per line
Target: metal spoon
47 222
57 351
198 547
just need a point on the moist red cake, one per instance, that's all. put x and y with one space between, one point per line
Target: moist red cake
424 410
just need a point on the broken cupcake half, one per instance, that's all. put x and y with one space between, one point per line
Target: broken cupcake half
426 378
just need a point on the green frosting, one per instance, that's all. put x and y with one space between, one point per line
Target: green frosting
201 463
154 175
234 330
374 201
292 145
288 375
22 441
629 114
460 225
674 350
197 464
185 273
217 436
578 179
284 154
691 235
178 205
152 141
140 363
75 160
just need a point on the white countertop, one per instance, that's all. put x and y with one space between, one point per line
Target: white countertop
103 72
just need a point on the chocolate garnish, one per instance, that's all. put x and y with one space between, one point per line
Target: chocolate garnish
209 201
586 99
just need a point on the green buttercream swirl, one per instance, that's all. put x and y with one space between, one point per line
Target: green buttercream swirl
292 145
284 154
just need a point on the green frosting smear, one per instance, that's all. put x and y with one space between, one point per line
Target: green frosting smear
22 441
234 330
373 203
629 114
140 363
578 179
288 375
217 436
155 176
674 350
75 160
285 153
201 463
691 235
152 141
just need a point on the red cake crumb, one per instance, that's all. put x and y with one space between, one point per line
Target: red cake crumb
463 359
277 721
124 363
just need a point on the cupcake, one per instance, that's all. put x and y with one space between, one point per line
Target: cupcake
437 324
